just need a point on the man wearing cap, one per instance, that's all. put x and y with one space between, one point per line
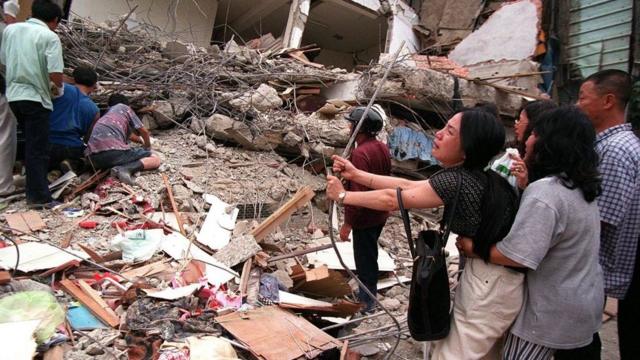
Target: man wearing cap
372 156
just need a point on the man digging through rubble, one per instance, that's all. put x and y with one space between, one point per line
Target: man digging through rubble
108 145
73 115
371 156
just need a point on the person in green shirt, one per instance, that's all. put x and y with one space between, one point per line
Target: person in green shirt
32 54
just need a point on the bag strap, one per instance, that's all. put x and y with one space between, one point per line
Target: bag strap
447 224
407 223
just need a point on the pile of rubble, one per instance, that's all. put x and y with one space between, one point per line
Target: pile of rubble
223 251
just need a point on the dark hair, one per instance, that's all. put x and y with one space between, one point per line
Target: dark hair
482 137
116 99
491 108
565 148
616 82
46 11
533 109
86 76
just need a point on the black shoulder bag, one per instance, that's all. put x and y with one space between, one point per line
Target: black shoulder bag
429 317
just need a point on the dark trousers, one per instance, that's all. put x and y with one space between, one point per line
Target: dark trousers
58 153
589 352
629 317
365 254
33 119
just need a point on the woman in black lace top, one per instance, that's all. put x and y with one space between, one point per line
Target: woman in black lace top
489 296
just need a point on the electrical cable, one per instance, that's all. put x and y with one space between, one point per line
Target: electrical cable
331 207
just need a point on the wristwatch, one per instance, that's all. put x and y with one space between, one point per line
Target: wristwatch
341 197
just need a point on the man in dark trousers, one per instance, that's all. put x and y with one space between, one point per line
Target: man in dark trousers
604 97
32 54
372 156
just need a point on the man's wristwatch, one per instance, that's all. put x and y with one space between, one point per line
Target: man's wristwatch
341 197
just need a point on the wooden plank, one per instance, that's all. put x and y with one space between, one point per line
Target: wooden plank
25 222
96 309
54 353
148 270
97 298
300 199
92 254
174 207
93 180
272 333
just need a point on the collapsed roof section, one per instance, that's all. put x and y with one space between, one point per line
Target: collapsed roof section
342 33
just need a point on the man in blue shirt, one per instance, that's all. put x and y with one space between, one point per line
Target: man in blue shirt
32 54
70 123
603 97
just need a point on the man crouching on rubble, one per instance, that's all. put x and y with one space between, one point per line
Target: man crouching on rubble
108 146
372 156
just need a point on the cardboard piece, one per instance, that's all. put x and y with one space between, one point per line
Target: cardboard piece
328 257
25 223
219 224
173 294
37 256
272 333
320 282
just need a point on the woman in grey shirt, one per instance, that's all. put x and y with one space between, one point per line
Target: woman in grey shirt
556 235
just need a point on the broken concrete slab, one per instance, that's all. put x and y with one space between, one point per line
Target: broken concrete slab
497 39
521 74
238 249
264 98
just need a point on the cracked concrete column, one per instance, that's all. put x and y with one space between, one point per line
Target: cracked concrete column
298 14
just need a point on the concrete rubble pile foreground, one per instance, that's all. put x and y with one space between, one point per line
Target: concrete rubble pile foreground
224 252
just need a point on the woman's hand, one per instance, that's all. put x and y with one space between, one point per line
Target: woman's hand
345 230
334 187
519 170
344 167
465 246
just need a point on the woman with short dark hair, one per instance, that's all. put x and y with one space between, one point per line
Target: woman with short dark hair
489 296
556 236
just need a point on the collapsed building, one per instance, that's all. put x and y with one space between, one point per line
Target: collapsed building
225 249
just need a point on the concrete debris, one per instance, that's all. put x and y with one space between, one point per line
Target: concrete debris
245 135
496 39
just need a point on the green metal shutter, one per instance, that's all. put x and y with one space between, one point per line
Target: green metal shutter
599 36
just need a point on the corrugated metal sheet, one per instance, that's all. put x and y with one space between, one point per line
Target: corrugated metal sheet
599 36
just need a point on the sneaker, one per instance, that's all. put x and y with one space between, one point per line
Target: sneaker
46 206
65 166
